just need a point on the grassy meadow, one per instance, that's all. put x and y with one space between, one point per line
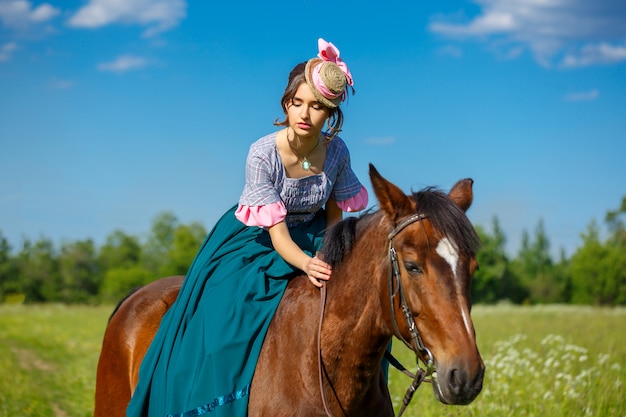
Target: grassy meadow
541 361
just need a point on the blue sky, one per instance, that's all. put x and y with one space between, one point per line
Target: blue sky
112 112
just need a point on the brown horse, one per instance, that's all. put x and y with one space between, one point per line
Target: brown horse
417 251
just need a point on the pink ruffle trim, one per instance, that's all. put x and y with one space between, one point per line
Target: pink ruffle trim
271 214
356 203
264 216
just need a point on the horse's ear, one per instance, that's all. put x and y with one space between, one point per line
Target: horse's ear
390 198
462 193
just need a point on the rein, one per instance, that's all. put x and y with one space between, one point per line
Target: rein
395 288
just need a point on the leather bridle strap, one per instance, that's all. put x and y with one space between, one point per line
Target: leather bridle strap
323 296
397 289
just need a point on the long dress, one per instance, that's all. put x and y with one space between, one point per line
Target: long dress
203 356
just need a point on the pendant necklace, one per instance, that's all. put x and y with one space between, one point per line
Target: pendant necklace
306 165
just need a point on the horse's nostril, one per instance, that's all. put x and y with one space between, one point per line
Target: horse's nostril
456 381
464 387
478 381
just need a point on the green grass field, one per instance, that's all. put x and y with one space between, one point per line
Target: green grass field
541 361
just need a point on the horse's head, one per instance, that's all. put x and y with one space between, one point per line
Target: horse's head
436 257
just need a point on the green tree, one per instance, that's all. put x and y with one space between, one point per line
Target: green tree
615 222
159 242
38 266
598 270
118 282
80 273
495 281
120 262
9 284
120 250
536 270
184 246
562 275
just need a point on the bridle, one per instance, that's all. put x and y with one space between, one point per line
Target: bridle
416 344
396 289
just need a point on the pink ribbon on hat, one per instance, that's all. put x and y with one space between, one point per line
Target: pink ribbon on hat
329 52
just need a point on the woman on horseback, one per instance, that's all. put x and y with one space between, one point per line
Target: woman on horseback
298 182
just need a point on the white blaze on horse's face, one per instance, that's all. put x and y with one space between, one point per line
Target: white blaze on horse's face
447 250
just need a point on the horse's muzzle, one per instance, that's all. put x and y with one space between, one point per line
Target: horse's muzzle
458 385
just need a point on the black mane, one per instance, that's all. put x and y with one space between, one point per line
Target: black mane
338 240
446 217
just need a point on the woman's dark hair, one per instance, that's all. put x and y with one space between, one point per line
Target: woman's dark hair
296 78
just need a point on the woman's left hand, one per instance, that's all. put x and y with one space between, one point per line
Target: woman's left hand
315 268
318 271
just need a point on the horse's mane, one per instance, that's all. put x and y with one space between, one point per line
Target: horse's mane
446 217
338 240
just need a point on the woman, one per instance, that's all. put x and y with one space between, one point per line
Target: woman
298 182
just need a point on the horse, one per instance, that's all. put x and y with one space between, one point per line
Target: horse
411 260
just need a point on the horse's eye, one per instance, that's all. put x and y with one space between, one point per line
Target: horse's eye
413 268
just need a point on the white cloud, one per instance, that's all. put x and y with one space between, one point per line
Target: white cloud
20 14
569 33
123 63
602 53
494 22
6 51
43 13
157 15
583 95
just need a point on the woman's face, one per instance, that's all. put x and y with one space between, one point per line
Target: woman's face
305 114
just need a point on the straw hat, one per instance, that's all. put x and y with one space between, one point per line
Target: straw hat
332 92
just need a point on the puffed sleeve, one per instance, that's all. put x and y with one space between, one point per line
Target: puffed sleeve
260 203
356 203
348 191
264 216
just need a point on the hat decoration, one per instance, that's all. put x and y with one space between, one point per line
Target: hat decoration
328 75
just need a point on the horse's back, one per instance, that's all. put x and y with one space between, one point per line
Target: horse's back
286 377
126 340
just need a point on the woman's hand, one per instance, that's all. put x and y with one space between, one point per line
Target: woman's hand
315 268
318 271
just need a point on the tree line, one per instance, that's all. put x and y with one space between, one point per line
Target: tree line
81 272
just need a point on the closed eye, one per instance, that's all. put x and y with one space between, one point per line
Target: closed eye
315 105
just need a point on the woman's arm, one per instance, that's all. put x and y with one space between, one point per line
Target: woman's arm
315 268
334 214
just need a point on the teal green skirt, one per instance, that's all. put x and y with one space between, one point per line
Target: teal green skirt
203 356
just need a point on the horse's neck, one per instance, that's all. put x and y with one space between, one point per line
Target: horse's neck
355 335
357 291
